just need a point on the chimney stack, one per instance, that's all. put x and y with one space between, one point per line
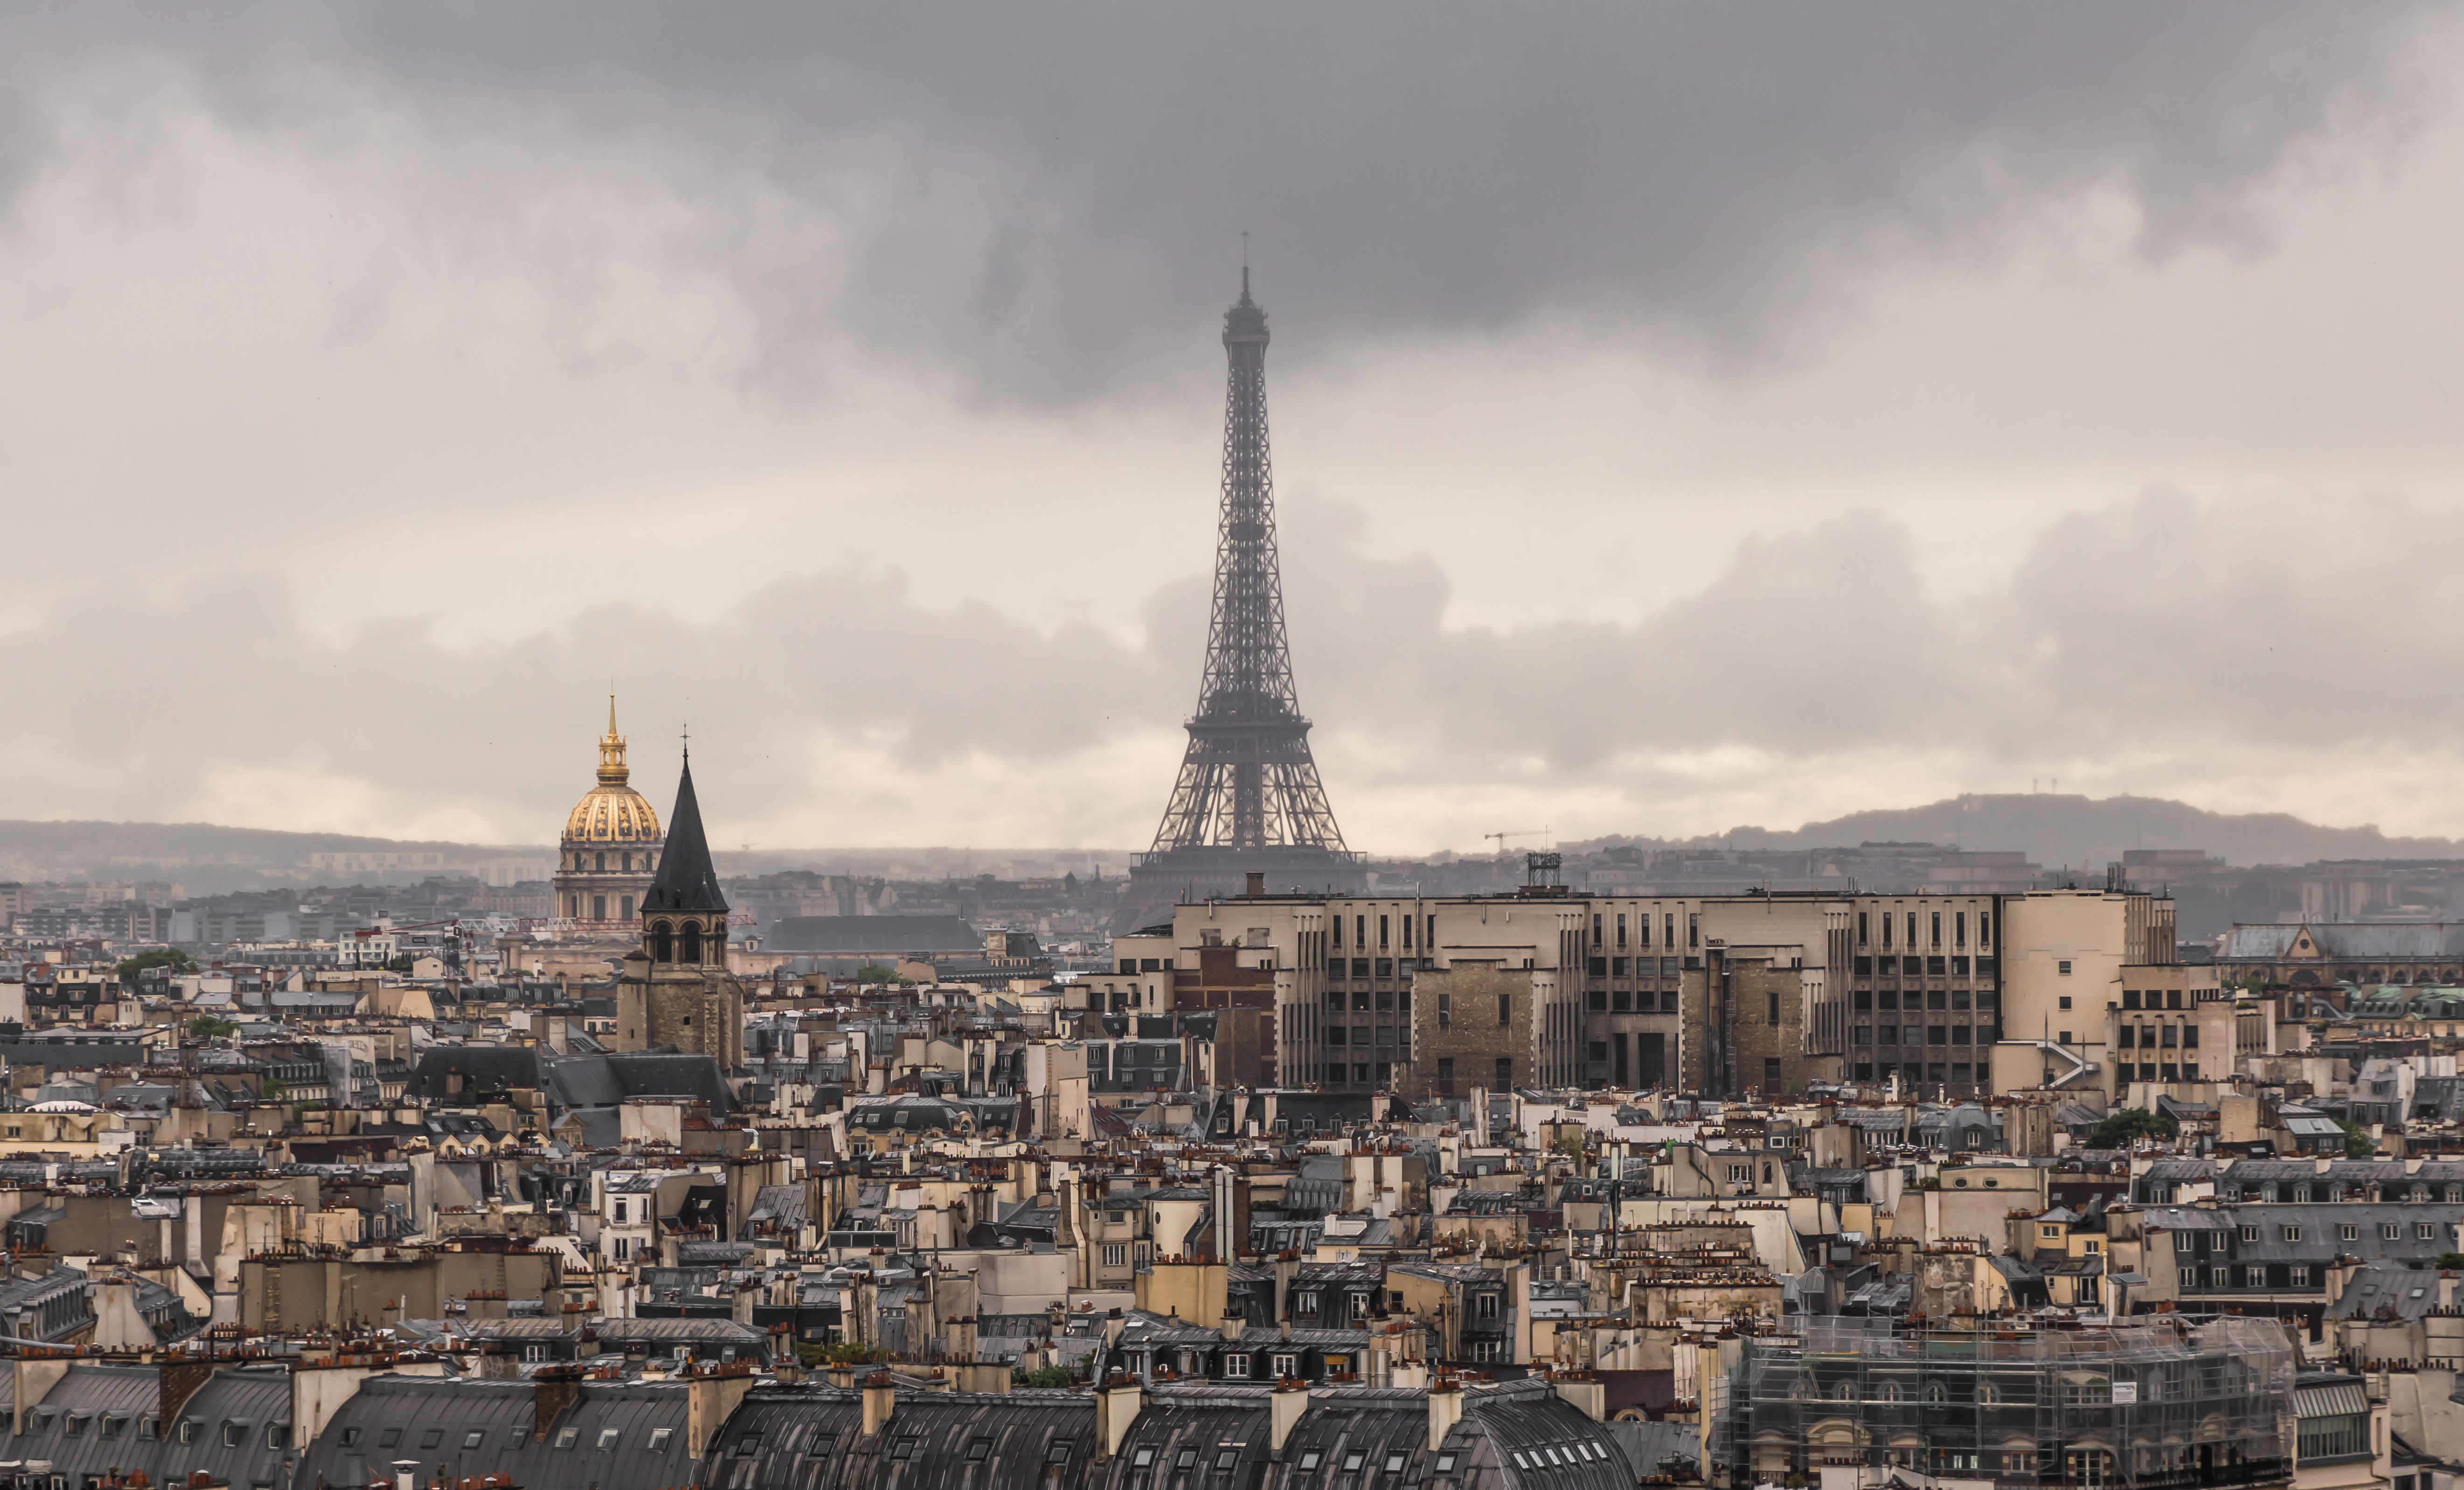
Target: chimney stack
1289 1399
1445 1409
1118 1405
880 1402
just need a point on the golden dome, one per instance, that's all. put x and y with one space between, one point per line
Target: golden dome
612 811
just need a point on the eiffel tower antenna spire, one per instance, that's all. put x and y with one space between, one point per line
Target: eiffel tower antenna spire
1248 797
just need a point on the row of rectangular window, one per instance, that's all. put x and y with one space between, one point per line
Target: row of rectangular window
1954 1072
1923 967
2171 998
1667 930
2333 1194
1385 931
1958 929
1397 1001
1602 1001
2252 1277
2346 1231
1641 966
1386 1036
2142 1037
1919 1035
1361 1073
1864 1000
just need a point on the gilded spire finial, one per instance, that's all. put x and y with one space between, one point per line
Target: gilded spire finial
612 771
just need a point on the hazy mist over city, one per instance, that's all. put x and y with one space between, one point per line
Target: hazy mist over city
1683 417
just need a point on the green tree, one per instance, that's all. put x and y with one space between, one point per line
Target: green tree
205 1026
2448 1259
2358 1143
1045 1376
128 968
2121 1129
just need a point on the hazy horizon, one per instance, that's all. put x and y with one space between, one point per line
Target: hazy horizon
1683 417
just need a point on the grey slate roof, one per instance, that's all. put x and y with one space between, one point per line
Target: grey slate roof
685 880
2404 1293
433 1419
87 1424
812 1438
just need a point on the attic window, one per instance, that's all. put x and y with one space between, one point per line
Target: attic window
1394 1464
1445 1463
566 1437
1187 1459
1145 1458
1353 1461
659 1437
1059 1453
819 1448
1310 1460
906 1449
471 1440
607 1437
751 1445
1224 1460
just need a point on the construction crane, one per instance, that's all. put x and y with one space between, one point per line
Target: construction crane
1501 838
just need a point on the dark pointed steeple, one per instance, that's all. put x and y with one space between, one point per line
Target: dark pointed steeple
687 881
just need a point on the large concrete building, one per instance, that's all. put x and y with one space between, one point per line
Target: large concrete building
1962 992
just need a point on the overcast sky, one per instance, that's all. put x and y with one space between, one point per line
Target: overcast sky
1683 416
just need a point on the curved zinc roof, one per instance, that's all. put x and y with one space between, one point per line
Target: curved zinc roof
617 1436
812 1438
97 1418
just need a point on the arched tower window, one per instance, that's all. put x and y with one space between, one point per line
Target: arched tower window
663 943
692 941
628 863
603 863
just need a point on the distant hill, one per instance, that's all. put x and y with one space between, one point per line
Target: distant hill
206 858
2054 829
2064 828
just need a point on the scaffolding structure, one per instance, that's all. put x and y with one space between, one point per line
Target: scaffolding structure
2154 1404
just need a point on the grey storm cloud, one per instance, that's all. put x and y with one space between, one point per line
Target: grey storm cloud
1028 197
1801 647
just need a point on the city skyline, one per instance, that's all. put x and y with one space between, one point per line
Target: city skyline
1990 422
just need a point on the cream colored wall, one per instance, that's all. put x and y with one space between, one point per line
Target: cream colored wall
2036 934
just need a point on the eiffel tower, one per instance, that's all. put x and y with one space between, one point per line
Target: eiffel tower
1249 798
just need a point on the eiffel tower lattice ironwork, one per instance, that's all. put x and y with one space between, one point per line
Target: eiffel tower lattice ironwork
1247 781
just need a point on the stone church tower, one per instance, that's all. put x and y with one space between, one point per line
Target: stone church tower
675 990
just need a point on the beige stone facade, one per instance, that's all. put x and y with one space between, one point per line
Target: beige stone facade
1762 992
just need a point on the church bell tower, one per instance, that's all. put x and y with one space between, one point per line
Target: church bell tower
675 992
